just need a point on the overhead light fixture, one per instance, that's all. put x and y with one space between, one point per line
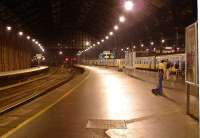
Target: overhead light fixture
152 43
20 33
33 40
28 37
111 33
102 40
163 40
9 28
122 19
128 5
98 43
87 43
116 27
42 49
107 37
142 45
60 52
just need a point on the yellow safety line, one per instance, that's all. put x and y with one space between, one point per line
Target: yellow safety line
9 133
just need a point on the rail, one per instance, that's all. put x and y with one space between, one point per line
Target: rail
15 96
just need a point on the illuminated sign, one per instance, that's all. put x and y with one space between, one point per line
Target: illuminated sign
168 48
106 52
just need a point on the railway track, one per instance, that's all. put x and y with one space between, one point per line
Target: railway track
15 96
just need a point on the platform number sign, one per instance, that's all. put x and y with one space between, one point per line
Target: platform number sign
191 49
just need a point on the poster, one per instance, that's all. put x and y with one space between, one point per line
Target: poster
191 49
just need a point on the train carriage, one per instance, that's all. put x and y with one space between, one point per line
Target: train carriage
145 63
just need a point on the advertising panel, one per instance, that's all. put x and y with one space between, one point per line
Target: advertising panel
191 49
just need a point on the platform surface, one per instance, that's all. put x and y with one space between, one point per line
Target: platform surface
22 71
110 95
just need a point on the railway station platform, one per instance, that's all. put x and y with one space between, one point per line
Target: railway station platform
12 77
22 71
105 103
175 91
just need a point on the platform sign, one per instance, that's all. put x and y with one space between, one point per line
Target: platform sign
191 49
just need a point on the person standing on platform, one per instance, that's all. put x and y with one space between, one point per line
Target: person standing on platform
161 77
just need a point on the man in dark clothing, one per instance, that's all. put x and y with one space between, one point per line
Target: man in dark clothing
160 85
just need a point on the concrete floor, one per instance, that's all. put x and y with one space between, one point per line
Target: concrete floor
109 95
